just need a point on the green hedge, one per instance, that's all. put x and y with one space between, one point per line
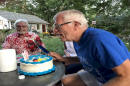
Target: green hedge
54 44
4 33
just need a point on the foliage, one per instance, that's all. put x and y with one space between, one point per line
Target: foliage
127 43
19 6
54 44
114 24
46 9
128 46
4 33
111 15
46 34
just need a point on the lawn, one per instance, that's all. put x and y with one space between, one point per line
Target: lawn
53 44
127 43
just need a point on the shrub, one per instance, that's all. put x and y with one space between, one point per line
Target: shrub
4 33
46 34
54 44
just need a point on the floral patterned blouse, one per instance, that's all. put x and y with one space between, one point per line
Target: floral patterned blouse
15 41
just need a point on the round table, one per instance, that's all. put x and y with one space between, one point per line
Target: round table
11 78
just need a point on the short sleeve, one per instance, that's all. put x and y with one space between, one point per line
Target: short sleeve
110 51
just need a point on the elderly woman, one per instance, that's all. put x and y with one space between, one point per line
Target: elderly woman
22 40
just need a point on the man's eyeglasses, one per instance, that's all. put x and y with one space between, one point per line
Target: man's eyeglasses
58 26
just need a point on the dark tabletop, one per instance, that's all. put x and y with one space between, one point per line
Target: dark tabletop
11 78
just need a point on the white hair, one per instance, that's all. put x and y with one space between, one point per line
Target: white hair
20 20
73 15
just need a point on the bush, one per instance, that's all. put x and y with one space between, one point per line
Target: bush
46 34
4 33
54 44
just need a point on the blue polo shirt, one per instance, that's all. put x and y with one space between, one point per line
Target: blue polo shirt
99 51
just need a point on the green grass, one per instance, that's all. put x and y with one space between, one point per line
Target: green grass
127 43
128 46
53 44
56 45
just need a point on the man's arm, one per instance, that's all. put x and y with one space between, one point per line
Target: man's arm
66 60
123 75
71 60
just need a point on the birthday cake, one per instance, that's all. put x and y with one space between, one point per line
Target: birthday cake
36 65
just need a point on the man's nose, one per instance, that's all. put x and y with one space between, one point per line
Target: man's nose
55 31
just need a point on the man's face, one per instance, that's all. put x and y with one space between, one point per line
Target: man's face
64 29
22 27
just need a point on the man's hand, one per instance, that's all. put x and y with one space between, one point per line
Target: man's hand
56 56
66 60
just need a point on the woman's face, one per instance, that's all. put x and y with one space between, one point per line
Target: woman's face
22 27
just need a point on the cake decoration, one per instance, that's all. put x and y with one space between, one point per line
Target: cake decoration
21 77
25 55
36 65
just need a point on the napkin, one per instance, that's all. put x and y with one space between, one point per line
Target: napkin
8 60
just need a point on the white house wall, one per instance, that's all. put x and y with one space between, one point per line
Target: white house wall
4 23
46 28
33 27
37 27
40 28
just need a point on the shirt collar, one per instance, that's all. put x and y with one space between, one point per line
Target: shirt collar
25 35
84 35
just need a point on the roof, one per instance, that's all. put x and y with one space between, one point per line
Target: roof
12 16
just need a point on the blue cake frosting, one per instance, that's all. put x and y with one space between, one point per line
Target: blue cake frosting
44 59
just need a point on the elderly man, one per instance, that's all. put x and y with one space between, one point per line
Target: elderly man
103 55
22 40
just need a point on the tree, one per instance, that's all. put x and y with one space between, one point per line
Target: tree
93 9
19 6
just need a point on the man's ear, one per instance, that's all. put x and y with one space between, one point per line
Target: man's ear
76 25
